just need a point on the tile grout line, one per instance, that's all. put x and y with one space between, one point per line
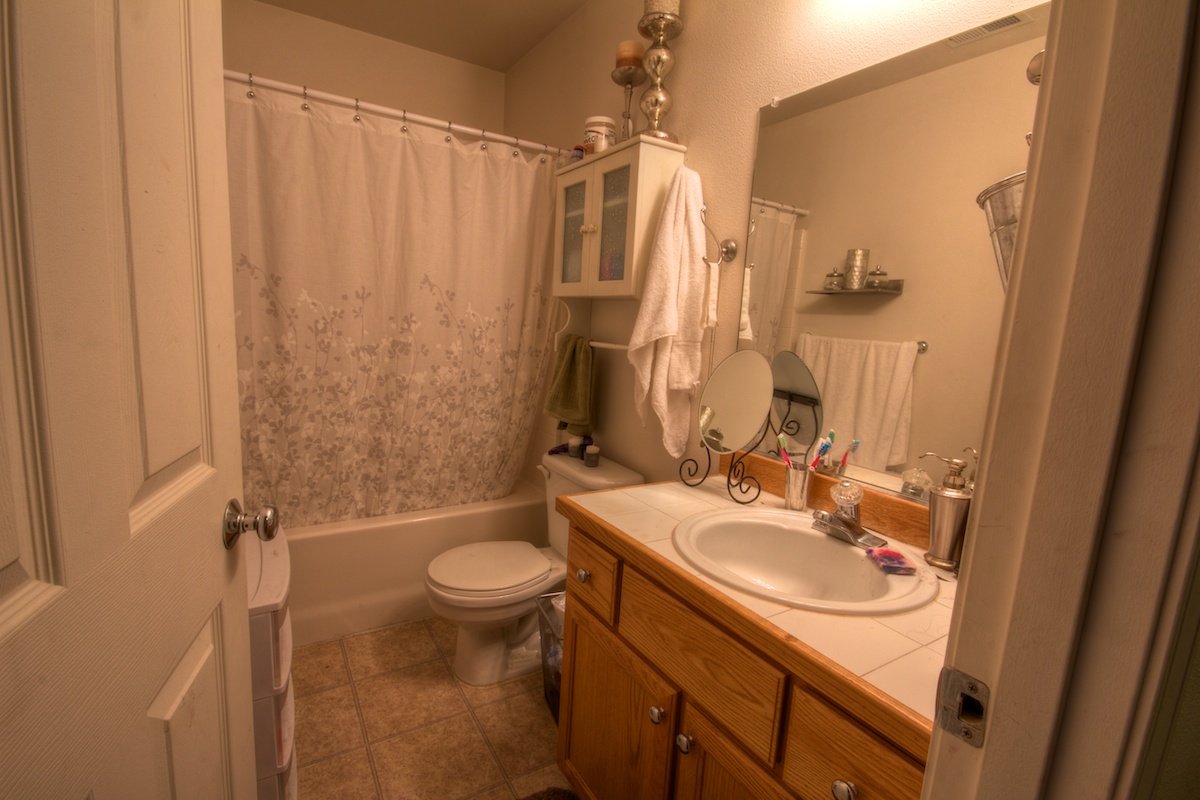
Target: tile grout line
471 709
449 662
362 719
467 698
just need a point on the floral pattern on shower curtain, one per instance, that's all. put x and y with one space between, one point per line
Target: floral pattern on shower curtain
393 313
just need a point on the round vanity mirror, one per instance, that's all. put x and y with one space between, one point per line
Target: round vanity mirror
735 402
795 404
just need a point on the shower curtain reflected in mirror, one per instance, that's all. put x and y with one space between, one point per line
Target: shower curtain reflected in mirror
774 257
393 308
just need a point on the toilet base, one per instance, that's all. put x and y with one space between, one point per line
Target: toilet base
486 654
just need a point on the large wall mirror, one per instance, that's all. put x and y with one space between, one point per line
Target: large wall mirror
892 159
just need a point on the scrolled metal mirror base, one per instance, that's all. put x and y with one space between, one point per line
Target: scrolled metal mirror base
742 488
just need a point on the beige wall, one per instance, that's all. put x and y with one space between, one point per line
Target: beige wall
897 171
729 65
733 58
286 46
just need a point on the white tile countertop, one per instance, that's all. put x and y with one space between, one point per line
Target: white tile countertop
900 654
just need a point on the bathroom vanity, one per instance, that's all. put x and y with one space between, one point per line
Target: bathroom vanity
676 687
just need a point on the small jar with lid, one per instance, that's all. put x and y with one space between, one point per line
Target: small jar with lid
877 278
834 281
599 134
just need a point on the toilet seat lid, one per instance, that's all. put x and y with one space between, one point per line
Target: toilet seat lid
489 567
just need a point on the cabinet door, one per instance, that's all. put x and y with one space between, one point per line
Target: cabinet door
616 178
614 738
573 235
711 767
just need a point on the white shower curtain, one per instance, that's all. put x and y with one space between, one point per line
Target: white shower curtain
393 311
764 288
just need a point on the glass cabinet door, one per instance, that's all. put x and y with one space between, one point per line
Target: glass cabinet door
614 223
572 243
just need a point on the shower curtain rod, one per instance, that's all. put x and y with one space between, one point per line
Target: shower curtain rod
251 80
800 212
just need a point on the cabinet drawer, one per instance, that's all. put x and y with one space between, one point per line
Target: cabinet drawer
824 746
735 686
592 575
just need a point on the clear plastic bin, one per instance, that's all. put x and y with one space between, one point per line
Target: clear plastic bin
551 608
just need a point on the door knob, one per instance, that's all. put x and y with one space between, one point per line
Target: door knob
236 522
582 575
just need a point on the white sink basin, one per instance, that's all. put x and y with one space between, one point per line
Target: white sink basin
778 555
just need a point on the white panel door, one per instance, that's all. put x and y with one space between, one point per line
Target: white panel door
123 632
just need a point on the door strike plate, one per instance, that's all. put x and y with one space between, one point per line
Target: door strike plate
962 706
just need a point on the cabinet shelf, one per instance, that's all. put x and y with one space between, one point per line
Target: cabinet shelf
892 288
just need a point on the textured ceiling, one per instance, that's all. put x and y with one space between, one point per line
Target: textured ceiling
491 34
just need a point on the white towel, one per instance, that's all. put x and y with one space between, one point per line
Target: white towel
866 394
745 326
679 300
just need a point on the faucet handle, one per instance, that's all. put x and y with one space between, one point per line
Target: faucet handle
847 495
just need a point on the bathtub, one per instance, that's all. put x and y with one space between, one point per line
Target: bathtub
361 574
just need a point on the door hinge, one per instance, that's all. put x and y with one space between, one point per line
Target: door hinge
962 705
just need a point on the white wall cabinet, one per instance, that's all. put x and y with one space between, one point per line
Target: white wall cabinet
606 213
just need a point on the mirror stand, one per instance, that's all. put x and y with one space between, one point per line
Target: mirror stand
737 482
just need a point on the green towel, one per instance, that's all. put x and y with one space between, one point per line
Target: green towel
570 394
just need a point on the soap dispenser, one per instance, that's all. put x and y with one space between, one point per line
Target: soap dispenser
948 507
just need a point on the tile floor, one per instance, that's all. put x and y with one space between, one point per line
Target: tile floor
379 715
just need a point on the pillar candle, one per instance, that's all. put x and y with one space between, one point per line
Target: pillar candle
629 54
662 7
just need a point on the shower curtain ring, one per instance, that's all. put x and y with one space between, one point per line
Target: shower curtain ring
404 120
545 150
304 105
483 144
357 116
448 128
250 91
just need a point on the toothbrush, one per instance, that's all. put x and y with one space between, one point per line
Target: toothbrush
846 455
783 451
822 451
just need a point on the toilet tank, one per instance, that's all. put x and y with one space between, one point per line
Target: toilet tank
567 475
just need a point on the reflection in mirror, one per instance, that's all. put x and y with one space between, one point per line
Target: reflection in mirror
795 407
891 160
735 402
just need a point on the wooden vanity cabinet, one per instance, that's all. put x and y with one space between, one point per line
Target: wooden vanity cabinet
710 766
616 718
825 746
659 701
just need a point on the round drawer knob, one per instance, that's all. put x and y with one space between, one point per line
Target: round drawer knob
582 575
657 715
844 790
684 743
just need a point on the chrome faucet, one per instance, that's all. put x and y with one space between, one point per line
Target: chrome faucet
844 523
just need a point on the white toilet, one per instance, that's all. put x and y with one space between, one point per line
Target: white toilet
489 588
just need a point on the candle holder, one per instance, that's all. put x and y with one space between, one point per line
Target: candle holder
628 77
659 27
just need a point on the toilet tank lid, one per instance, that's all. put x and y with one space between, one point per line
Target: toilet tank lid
607 475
